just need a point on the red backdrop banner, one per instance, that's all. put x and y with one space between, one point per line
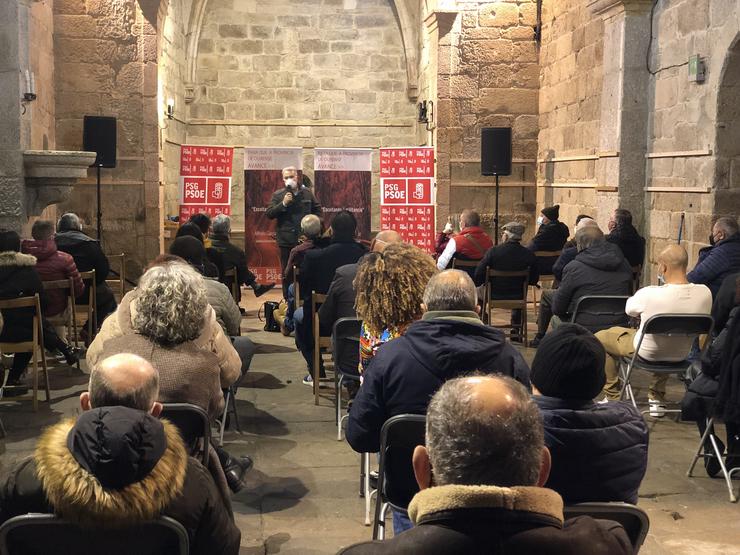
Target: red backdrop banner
407 199
262 177
205 180
342 181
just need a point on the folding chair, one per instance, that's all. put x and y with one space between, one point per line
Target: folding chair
668 325
35 346
591 310
634 520
40 534
397 485
467 266
345 348
636 275
68 318
90 310
508 304
319 342
232 283
116 280
194 426
544 278
229 402
727 473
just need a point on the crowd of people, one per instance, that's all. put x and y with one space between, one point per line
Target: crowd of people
507 444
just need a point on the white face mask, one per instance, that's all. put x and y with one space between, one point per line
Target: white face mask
290 182
540 220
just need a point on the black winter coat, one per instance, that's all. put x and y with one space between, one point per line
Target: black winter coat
405 372
86 251
232 257
18 278
728 396
319 265
630 242
340 298
289 217
598 270
508 257
599 451
550 237
568 255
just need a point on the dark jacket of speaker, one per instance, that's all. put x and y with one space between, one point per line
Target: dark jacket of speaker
289 217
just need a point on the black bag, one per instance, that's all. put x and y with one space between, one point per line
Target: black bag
270 307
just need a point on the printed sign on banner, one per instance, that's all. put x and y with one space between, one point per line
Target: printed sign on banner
205 180
407 194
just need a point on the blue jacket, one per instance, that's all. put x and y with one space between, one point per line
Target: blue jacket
568 255
716 263
405 372
599 451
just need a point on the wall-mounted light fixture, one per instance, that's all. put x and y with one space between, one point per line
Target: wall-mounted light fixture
30 90
426 113
170 108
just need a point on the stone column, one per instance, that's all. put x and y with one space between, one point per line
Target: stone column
624 106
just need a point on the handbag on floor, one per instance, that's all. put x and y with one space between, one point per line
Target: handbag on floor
270 309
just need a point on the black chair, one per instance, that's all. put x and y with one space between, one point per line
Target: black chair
396 482
194 426
42 534
345 348
634 520
590 311
668 325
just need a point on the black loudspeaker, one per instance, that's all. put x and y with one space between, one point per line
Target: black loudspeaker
495 151
99 135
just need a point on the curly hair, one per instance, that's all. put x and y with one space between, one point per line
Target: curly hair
390 285
171 305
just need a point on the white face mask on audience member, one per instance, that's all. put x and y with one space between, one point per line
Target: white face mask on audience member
540 220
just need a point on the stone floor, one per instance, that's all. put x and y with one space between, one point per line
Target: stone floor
302 496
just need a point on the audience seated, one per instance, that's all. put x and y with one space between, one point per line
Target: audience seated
599 450
390 284
509 256
167 321
721 258
233 257
676 296
623 234
570 250
551 236
442 239
449 341
211 269
52 265
470 244
88 256
18 278
118 465
312 239
317 272
481 476
571 243
340 299
599 268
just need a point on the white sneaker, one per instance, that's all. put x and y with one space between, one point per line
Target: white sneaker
657 408
602 401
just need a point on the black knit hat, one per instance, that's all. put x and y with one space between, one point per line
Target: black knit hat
552 212
569 364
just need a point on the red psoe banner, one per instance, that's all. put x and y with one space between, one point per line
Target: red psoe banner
407 198
205 180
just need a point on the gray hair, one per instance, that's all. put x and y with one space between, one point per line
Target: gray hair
311 225
586 222
469 218
450 290
69 222
221 224
171 304
728 225
470 446
588 237
104 394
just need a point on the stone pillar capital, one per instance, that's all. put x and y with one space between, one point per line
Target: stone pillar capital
609 8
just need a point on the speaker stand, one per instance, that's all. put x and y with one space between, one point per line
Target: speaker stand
495 216
100 210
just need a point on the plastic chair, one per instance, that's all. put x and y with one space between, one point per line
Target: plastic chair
194 426
590 307
727 473
345 348
118 282
397 485
634 520
41 534
668 325
544 278
508 304
320 343
35 346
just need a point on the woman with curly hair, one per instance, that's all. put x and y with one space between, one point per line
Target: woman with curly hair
389 286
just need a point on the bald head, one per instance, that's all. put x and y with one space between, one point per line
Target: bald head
674 257
385 238
123 380
451 290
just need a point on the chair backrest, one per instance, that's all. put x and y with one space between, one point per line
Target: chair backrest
458 263
345 345
679 324
194 426
92 307
37 534
491 275
231 282
116 280
296 287
634 520
598 312
399 436
38 331
547 254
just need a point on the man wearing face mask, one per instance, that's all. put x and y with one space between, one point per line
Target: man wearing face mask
288 206
551 236
721 258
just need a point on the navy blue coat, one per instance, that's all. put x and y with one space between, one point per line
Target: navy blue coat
405 372
568 255
599 451
716 263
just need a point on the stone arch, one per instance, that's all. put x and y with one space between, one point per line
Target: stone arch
727 173
407 22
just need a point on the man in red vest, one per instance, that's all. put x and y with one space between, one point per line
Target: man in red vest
470 244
